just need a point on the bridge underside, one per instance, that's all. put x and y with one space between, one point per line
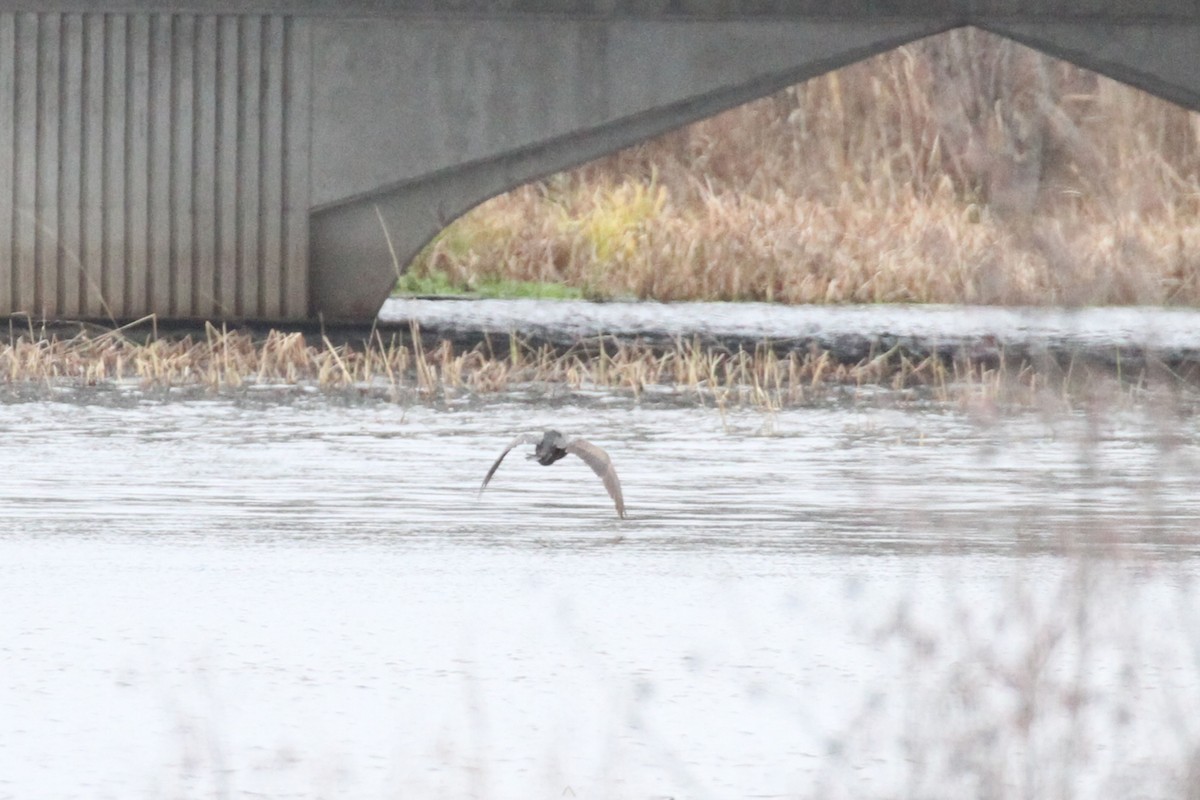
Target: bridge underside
198 163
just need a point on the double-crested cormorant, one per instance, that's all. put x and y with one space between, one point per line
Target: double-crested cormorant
552 445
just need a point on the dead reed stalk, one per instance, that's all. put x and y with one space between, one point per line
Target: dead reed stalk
408 368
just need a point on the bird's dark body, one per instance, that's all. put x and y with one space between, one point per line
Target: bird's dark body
549 449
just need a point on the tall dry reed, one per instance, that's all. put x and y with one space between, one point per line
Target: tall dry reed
414 368
963 168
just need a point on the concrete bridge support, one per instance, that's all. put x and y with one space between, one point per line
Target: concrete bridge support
600 85
282 159
1160 56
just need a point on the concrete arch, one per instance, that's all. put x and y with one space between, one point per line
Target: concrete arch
622 82
1159 56
630 80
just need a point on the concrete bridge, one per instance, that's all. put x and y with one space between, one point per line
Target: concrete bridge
280 159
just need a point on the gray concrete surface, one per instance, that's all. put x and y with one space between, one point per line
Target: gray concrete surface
278 160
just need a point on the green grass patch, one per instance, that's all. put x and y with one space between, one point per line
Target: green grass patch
440 284
433 283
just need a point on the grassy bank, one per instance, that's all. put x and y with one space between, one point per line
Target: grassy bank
959 169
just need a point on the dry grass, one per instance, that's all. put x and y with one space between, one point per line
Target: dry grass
410 368
960 169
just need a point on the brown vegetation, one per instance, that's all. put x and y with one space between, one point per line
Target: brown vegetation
408 368
961 169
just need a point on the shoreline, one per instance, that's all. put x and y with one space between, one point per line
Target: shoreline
736 354
847 331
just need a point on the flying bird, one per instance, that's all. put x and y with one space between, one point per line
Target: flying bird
552 445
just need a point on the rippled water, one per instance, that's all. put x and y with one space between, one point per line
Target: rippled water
1168 330
305 598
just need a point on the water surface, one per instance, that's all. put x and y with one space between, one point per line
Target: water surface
305 598
1171 331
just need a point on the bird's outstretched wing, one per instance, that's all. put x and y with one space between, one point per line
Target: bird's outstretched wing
524 438
602 465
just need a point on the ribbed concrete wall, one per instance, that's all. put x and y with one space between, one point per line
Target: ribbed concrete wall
154 162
